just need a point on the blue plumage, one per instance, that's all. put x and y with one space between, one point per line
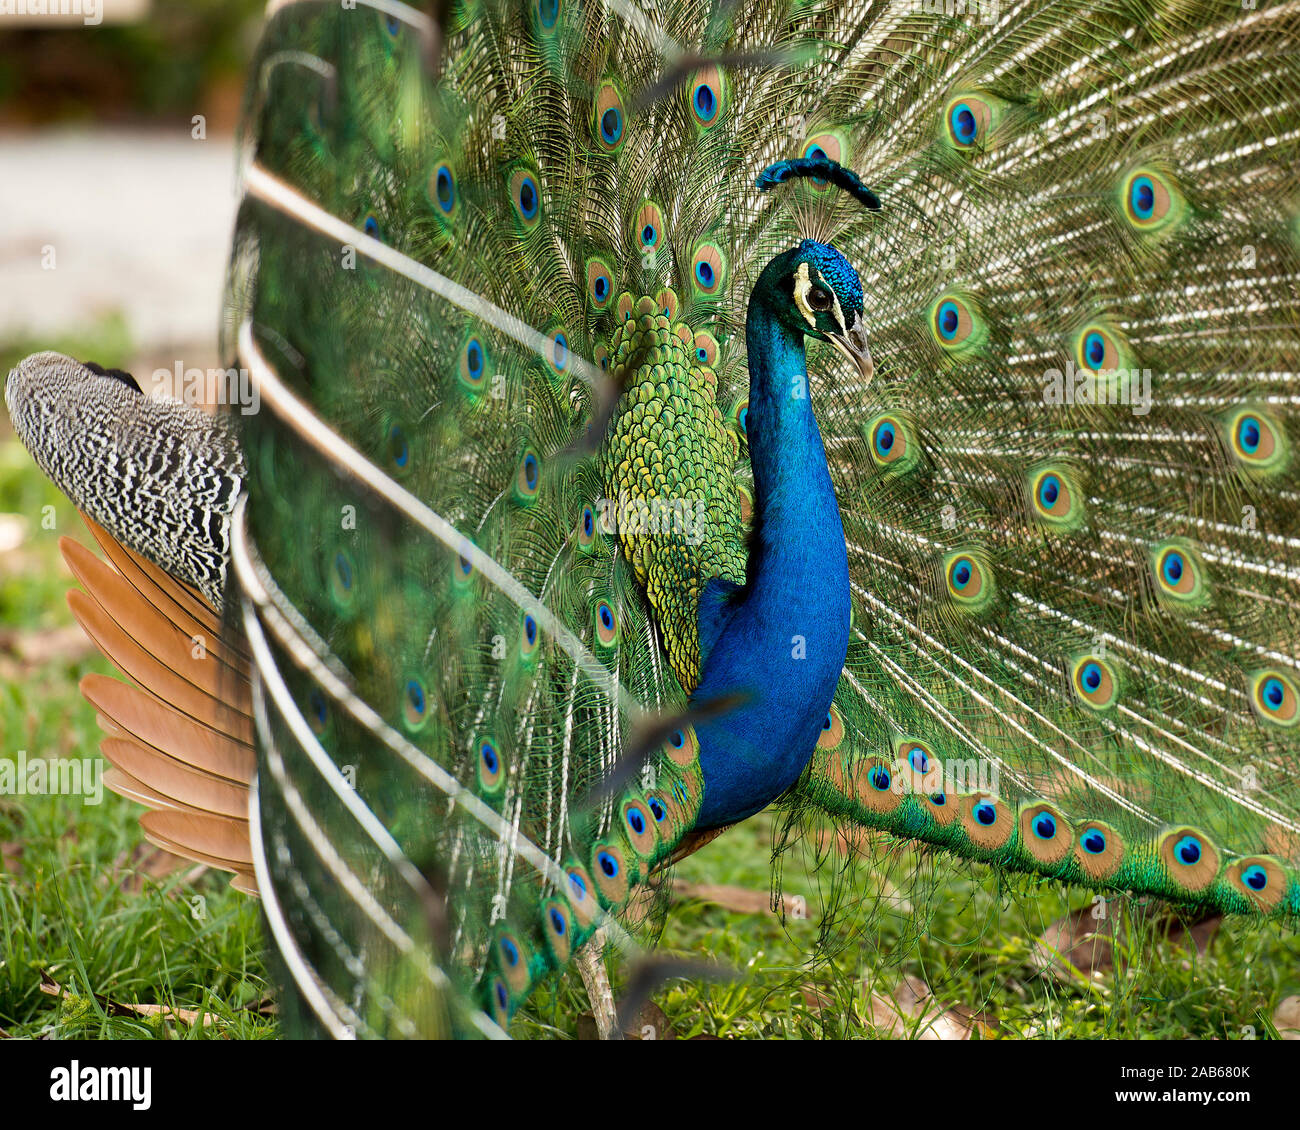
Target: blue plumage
781 640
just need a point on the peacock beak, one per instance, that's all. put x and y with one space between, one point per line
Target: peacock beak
853 344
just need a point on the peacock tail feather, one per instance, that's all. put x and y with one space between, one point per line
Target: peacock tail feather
491 274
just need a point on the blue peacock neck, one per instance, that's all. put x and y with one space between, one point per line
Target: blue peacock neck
781 639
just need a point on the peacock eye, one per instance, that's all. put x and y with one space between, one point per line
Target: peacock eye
819 298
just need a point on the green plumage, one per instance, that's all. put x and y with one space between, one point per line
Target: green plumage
507 263
1082 278
669 463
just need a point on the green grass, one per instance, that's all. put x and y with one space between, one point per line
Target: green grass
955 930
77 910
72 914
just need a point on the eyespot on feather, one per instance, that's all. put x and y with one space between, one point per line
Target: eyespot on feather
609 118
528 478
587 532
1260 878
920 772
512 961
398 451
648 228
462 567
529 635
1098 850
1055 497
682 747
342 579
1095 681
969 120
1044 833
956 324
526 197
667 303
442 189
639 826
873 785
708 270
606 624
1101 348
1181 584
558 357
473 362
832 731
557 929
580 892
968 579
706 348
547 14
942 806
612 872
708 95
1190 858
491 771
830 144
600 283
739 416
317 712
415 704
1273 697
1150 200
988 822
1256 440
892 443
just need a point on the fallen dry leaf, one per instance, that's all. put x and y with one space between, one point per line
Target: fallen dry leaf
186 1016
1202 933
11 858
742 900
815 999
1286 1018
1086 943
1076 941
914 999
649 1024
133 868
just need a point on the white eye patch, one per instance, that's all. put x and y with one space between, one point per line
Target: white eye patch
802 285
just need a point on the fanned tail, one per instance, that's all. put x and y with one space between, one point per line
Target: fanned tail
1071 508
490 296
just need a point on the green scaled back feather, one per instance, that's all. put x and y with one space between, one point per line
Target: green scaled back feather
1079 587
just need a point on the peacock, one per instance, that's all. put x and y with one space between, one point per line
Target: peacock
668 409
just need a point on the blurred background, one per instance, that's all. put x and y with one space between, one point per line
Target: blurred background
117 176
117 200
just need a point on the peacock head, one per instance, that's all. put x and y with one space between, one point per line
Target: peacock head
812 288
814 291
